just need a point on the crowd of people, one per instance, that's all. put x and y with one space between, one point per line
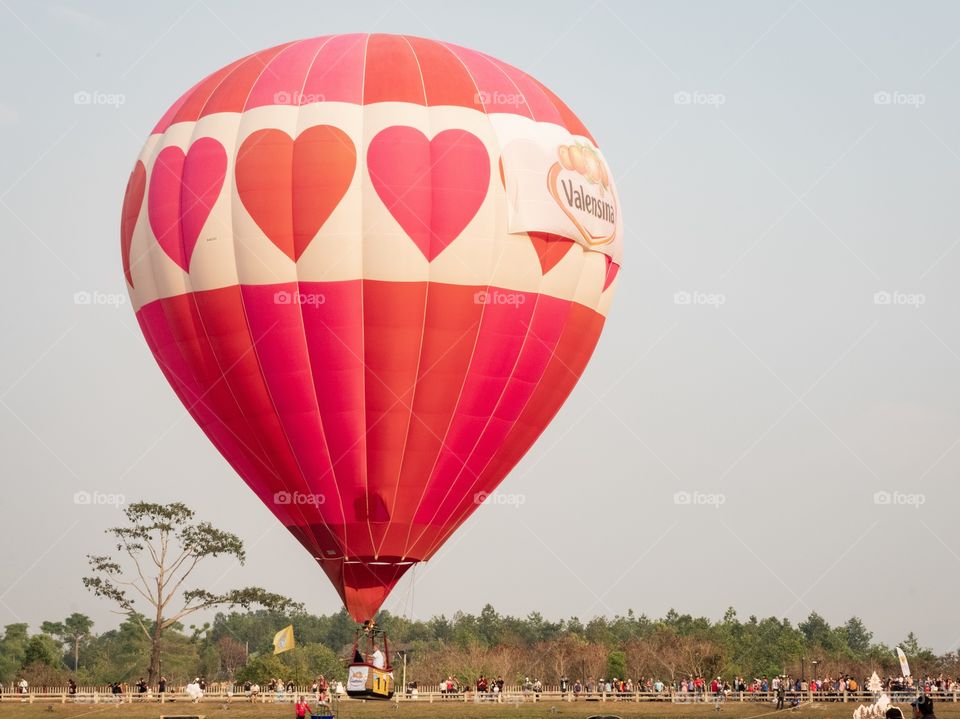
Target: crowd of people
785 690
276 689
717 689
283 691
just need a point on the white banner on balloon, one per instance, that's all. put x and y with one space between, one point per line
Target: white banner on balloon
558 183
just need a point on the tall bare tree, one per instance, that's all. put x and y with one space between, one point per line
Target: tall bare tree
233 655
160 548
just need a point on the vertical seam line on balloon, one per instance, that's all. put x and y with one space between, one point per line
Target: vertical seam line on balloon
411 408
232 66
427 483
465 513
305 346
264 69
562 108
479 325
506 386
506 70
158 147
362 322
498 66
363 326
198 401
331 65
246 320
306 73
473 80
332 470
584 263
192 294
206 101
443 440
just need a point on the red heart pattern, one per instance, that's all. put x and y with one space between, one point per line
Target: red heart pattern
183 190
432 188
290 187
132 201
550 249
612 269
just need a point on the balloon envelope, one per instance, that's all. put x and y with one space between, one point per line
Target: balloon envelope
372 267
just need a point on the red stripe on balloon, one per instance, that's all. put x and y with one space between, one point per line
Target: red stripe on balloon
281 82
445 79
569 358
336 74
392 72
192 105
231 95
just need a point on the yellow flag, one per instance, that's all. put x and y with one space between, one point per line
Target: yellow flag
283 640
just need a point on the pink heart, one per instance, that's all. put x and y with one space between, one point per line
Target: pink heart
433 188
183 189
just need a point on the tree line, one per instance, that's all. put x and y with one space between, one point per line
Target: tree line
148 579
237 647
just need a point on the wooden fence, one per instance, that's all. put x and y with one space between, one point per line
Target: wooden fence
103 695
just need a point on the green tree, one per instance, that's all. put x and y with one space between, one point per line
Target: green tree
13 649
163 546
767 646
261 669
121 654
911 647
465 630
72 632
856 637
42 649
616 664
307 661
490 625
441 628
816 631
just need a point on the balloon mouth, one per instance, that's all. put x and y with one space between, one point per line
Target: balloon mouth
381 562
363 583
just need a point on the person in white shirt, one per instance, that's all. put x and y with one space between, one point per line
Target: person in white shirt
377 658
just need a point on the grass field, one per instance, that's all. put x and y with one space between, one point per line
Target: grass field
12 709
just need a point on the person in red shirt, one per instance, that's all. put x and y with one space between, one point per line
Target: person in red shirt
302 708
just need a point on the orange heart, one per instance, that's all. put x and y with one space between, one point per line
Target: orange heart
132 202
291 187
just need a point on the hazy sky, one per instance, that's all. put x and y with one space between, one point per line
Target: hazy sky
779 162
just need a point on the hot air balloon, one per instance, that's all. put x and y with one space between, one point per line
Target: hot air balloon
372 267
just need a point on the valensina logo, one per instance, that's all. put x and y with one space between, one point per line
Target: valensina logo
578 197
580 184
